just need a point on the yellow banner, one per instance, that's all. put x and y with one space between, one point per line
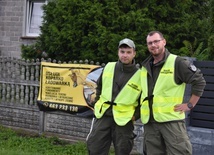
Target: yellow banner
67 87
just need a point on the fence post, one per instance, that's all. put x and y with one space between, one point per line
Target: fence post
41 122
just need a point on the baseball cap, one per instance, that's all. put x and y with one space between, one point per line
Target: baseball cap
128 42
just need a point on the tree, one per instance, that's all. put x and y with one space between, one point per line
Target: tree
79 29
91 29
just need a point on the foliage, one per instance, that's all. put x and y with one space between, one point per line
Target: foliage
210 48
79 29
31 51
194 49
91 29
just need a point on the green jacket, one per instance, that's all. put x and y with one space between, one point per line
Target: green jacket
183 74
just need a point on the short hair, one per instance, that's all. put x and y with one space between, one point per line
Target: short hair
153 32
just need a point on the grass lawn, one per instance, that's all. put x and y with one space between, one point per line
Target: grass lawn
19 142
14 142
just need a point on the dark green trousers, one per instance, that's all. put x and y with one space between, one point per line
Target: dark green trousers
104 131
169 138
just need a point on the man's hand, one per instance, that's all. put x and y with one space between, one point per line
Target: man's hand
133 118
181 108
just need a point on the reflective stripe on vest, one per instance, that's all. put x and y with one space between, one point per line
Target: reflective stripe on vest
126 100
166 94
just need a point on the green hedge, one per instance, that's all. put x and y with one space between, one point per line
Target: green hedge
91 29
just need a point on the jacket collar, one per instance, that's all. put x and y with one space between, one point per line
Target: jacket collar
127 68
147 62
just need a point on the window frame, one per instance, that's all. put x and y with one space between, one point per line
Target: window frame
29 6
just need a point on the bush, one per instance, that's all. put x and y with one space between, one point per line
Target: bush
91 29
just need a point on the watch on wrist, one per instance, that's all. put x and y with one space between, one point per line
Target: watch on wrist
189 105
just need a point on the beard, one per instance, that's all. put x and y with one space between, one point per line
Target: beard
157 51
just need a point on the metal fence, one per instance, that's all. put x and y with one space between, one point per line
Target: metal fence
203 113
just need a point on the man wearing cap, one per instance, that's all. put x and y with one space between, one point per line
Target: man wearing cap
116 104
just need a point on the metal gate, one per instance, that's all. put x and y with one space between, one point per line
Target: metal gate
203 113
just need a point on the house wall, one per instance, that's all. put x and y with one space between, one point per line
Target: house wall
12 14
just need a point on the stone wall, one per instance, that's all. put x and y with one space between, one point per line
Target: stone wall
12 15
19 116
202 140
59 124
74 128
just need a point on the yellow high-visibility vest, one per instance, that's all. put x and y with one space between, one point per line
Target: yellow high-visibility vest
166 94
125 102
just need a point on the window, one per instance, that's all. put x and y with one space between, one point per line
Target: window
33 18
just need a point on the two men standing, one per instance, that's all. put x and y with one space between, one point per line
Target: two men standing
162 79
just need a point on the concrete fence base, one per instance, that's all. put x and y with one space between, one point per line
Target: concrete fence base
74 128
